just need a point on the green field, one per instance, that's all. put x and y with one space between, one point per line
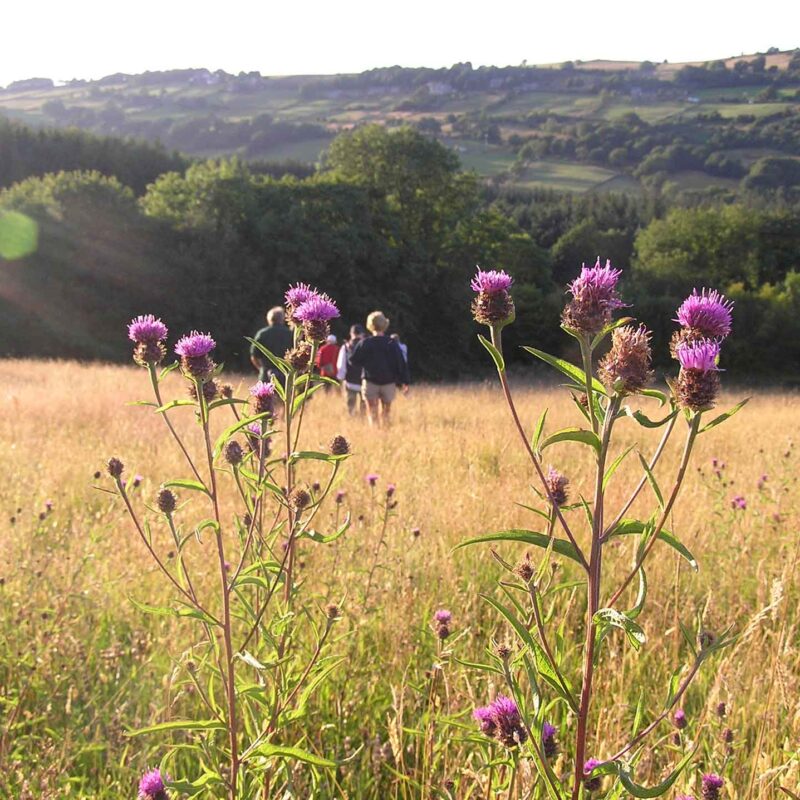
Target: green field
565 176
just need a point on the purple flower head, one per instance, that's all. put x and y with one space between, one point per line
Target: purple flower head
151 786
549 743
195 345
262 390
712 783
701 355
299 293
589 765
340 494
390 489
598 281
319 308
48 504
491 281
594 299
738 503
679 718
443 616
485 719
708 312
137 480
254 428
147 328
371 478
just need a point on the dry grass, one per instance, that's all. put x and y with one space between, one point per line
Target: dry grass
81 656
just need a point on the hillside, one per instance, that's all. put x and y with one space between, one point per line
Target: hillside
598 125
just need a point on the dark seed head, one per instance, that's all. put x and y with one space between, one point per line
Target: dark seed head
166 501
114 467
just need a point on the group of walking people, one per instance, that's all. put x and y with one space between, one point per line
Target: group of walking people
370 366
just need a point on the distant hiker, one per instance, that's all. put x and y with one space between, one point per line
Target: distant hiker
403 347
277 338
350 375
384 369
327 358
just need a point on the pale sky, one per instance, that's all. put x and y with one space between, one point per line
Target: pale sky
90 38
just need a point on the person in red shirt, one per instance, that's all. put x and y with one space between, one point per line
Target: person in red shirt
326 359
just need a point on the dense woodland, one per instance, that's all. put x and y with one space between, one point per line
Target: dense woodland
389 219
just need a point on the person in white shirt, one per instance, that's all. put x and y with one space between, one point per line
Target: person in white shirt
349 375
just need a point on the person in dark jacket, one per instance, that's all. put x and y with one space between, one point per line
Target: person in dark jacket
277 338
348 375
383 369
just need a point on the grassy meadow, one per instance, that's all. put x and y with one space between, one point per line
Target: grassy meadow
81 665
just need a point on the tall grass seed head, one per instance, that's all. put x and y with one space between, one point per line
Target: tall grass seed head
594 299
492 305
625 369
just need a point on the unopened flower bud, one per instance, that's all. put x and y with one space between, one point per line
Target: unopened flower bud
339 446
166 501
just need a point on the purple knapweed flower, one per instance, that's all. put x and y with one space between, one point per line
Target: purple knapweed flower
319 308
340 495
262 389
701 355
390 489
262 397
147 328
151 786
592 784
443 616
195 345
738 503
712 783
549 744
594 299
137 481
493 306
762 481
371 478
556 486
491 281
48 504
501 720
485 719
299 293
708 313
679 718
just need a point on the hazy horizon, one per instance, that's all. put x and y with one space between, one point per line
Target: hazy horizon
81 41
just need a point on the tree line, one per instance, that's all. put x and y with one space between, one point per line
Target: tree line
390 222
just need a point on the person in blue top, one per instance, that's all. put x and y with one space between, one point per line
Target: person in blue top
383 367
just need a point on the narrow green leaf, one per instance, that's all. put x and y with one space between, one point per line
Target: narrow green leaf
651 479
645 421
630 526
186 483
180 725
237 426
658 395
722 417
561 546
292 754
537 433
636 790
617 323
614 465
641 595
611 618
278 362
496 355
570 370
315 536
580 435
174 404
